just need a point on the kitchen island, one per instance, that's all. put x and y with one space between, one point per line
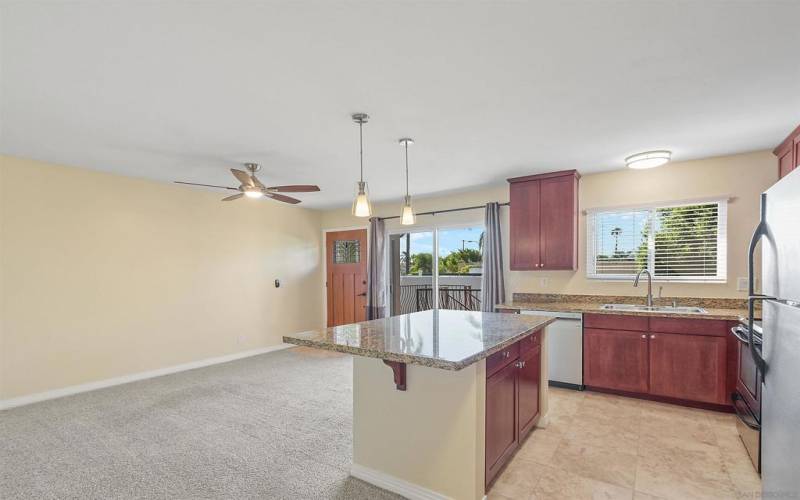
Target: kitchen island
441 398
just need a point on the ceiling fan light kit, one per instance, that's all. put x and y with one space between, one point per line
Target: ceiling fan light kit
361 204
251 187
407 217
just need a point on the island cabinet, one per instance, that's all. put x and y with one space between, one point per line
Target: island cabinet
513 383
672 358
543 221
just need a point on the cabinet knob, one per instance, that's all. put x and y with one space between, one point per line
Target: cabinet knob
644 336
652 336
506 354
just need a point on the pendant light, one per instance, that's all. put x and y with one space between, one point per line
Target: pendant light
407 217
361 204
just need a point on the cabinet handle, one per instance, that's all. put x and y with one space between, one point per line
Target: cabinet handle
522 364
506 354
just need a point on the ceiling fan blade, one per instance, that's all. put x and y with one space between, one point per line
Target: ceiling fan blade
243 177
295 188
233 197
205 185
257 183
285 199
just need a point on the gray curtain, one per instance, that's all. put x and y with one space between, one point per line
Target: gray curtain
376 269
493 288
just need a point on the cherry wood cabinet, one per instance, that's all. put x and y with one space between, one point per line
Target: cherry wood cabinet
502 435
788 153
529 386
679 359
691 367
615 359
544 221
513 384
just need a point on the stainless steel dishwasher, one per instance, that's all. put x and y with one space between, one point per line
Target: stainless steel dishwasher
564 348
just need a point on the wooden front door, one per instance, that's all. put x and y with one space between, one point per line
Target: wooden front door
346 256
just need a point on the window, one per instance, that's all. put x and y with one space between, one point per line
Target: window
685 242
346 251
451 281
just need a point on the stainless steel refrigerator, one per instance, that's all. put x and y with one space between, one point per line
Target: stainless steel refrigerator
779 356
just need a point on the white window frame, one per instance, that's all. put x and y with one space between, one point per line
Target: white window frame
722 248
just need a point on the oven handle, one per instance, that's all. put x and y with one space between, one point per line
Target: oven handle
740 335
744 414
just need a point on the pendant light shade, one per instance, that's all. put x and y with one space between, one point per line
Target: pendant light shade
407 217
361 205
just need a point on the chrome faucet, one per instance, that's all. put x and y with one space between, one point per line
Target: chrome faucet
649 285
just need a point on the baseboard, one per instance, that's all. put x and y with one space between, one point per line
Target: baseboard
393 484
133 377
543 422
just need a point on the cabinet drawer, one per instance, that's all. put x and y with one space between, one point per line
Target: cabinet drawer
615 322
500 359
530 342
712 327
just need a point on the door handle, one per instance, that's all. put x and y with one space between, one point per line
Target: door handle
760 231
362 294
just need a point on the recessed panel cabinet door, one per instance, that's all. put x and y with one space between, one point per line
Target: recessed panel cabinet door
524 225
689 367
786 162
615 359
558 216
501 418
529 384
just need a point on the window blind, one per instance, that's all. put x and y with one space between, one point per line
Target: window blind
685 242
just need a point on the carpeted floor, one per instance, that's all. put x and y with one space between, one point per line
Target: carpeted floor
271 426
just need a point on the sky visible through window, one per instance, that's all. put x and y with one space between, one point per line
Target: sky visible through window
449 240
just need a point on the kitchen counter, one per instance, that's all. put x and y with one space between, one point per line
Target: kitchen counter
445 339
596 308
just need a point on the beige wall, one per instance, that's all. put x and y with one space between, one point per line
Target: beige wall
741 176
103 275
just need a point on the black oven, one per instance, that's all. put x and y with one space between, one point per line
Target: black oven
747 397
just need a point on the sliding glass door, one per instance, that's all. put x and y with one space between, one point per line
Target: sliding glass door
451 281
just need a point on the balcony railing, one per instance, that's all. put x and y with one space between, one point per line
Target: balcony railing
420 298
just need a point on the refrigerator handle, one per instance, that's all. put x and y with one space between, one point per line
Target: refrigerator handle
761 230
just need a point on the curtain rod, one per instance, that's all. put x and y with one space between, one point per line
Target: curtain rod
434 212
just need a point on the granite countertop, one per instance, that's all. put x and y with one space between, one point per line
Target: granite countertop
450 340
581 306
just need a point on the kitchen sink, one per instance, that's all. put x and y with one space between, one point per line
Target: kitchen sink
660 309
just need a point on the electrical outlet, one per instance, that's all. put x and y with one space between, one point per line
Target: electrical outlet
544 282
741 284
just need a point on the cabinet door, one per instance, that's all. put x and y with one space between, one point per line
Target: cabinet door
786 161
615 359
524 225
529 385
501 419
689 367
796 151
558 216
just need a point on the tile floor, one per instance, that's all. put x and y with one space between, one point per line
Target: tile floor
600 446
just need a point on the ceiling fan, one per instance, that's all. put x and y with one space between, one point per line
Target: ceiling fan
253 188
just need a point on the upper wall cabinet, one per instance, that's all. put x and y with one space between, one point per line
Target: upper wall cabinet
788 153
544 221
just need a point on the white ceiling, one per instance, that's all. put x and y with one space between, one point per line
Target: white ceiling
182 91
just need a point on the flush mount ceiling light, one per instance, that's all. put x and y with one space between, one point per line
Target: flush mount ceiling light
648 159
407 218
361 205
